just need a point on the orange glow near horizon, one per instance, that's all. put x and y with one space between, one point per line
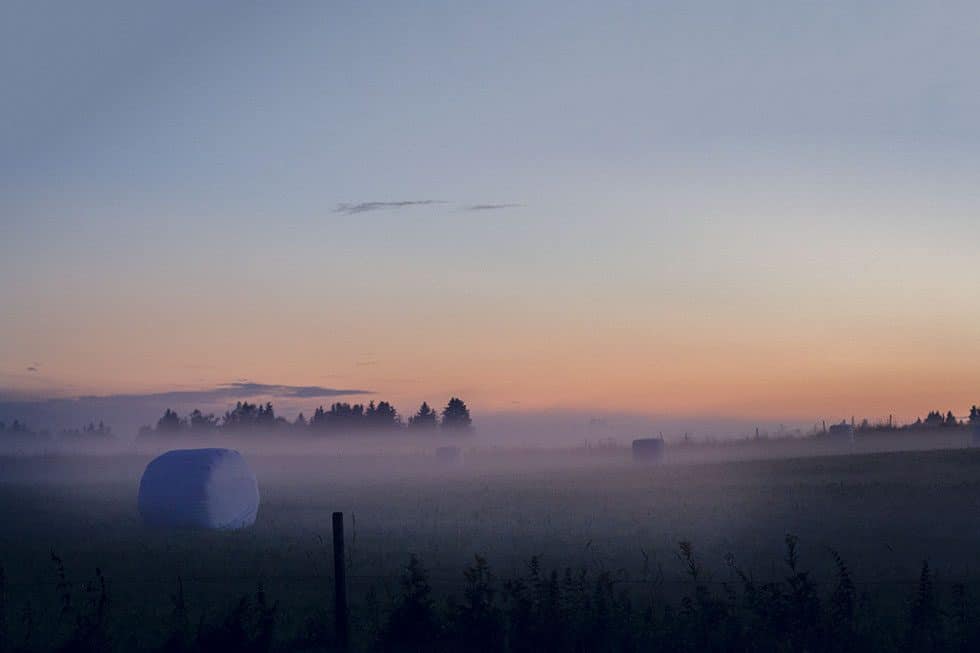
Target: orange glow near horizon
719 363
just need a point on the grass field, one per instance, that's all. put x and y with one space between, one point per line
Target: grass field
883 512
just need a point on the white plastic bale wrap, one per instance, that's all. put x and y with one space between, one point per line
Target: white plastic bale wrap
199 488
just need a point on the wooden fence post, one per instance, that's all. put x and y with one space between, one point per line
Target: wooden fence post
340 583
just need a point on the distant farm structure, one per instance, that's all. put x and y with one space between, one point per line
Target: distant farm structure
843 431
975 426
449 456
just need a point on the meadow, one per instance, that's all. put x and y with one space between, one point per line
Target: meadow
70 533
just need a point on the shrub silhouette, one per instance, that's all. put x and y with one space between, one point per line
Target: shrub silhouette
924 627
412 624
477 622
83 624
249 627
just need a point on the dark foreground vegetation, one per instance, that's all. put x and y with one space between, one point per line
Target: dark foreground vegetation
538 610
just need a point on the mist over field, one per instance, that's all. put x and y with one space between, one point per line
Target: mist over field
606 518
208 531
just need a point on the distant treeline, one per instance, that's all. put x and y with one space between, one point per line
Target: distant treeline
935 420
344 417
17 430
340 418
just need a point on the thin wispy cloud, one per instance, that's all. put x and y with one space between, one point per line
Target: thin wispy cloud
365 207
491 207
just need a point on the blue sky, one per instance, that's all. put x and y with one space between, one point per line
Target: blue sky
689 177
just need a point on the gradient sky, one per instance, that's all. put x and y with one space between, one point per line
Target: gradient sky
746 209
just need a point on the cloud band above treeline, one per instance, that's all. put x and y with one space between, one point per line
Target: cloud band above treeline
236 390
126 412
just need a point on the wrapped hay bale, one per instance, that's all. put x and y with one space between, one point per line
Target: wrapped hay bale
199 488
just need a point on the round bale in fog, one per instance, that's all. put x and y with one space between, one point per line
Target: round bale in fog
199 488
648 449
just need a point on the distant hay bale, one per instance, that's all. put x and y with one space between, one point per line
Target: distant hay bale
199 488
449 455
648 449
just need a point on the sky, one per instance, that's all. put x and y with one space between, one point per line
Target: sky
755 209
